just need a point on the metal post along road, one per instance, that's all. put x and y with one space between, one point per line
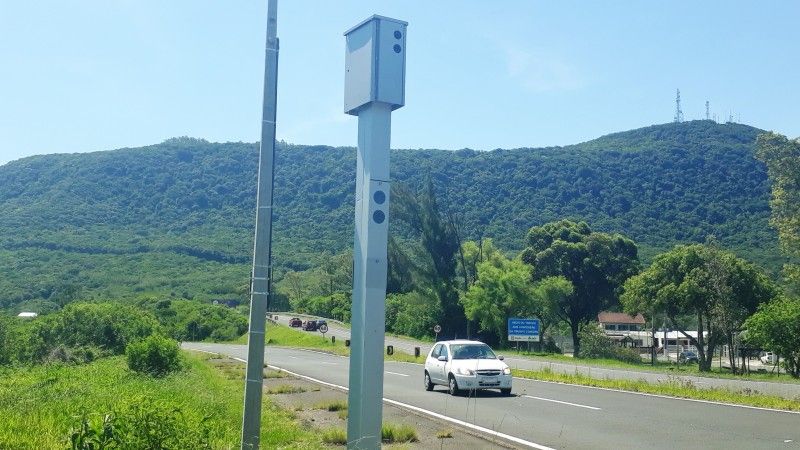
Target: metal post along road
261 284
374 87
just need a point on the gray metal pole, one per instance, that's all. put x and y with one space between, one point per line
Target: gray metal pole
365 398
261 285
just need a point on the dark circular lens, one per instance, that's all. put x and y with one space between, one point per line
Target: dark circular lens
398 35
397 48
379 197
378 216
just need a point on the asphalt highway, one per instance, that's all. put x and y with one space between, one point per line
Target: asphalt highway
785 390
548 415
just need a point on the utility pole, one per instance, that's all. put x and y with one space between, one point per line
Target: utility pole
261 281
374 87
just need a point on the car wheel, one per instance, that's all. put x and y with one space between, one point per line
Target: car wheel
452 386
428 384
505 392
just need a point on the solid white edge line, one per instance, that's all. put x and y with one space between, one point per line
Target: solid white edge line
563 403
711 402
401 374
414 408
645 394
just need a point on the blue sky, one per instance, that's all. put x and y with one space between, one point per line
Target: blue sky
91 75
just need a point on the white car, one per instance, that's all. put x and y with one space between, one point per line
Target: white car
466 365
769 358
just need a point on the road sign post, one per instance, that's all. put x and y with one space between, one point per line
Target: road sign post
323 329
437 329
374 87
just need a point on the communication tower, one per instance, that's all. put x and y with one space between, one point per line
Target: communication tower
708 112
678 112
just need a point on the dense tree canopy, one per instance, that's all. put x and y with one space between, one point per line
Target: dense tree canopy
176 218
595 263
782 157
776 327
717 288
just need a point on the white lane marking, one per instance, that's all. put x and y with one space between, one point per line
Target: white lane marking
479 428
645 394
563 403
293 357
329 363
395 373
711 402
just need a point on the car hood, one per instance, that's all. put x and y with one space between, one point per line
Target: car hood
479 364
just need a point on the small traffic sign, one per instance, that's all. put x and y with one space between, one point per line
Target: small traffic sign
323 328
437 328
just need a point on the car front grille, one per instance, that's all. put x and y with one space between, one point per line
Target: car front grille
488 373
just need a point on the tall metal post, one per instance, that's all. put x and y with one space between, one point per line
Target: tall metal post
374 87
260 284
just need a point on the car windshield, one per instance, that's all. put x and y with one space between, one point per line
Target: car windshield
472 351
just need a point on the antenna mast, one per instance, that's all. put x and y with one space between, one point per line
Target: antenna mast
678 112
708 112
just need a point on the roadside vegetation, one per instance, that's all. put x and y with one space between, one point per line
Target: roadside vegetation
80 406
283 336
676 388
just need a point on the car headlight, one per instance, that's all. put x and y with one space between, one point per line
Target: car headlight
507 371
465 371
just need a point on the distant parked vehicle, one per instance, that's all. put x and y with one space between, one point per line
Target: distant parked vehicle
769 358
310 325
295 322
688 357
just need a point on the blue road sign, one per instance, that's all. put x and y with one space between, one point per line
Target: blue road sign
523 330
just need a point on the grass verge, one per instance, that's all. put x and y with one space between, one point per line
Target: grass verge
676 388
668 368
284 336
40 405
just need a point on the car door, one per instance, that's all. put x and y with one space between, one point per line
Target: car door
442 365
434 365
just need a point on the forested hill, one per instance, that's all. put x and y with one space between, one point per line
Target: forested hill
177 217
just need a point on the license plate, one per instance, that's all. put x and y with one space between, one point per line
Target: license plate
489 380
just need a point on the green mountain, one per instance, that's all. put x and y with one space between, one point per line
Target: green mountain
176 218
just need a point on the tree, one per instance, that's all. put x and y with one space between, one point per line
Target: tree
504 289
776 327
440 242
596 264
719 289
782 157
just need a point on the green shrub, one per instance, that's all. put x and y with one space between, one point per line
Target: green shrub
6 350
398 433
144 424
336 436
595 344
155 356
107 326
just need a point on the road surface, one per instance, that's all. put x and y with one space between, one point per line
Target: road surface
785 390
548 415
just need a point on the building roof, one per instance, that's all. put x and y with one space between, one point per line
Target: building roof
614 317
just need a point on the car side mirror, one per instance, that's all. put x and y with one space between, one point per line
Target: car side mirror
443 358
501 357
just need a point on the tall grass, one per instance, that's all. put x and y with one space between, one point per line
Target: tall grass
40 405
